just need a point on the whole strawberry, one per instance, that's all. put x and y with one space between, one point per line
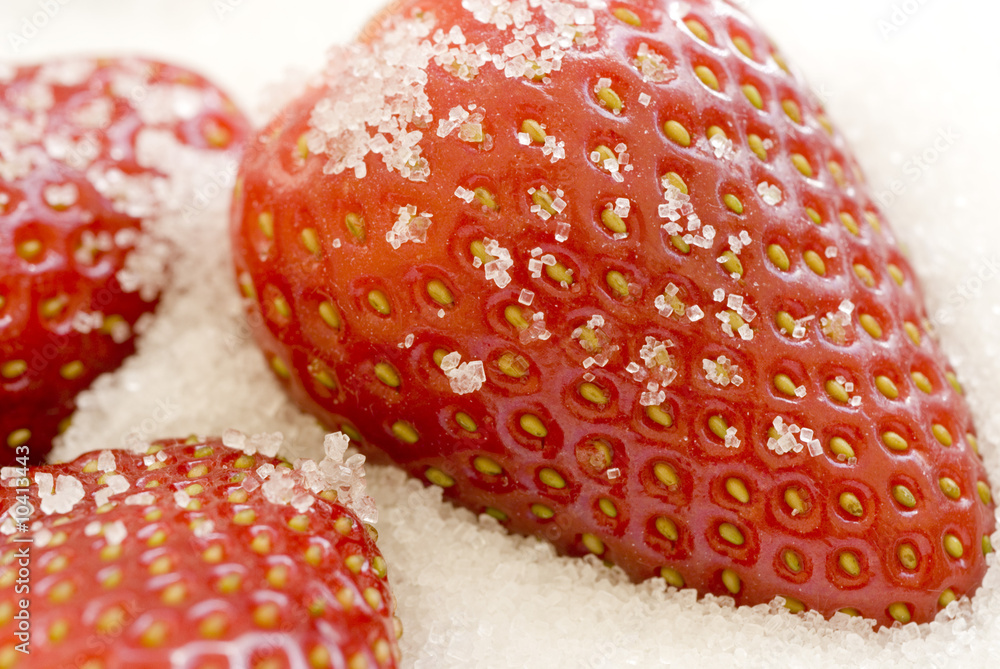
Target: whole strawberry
608 274
192 555
93 156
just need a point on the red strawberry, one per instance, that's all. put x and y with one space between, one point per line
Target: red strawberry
192 555
82 146
609 275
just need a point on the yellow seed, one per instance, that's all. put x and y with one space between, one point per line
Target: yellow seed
672 577
542 511
613 222
356 226
873 221
534 130
174 594
627 16
379 302
355 563
778 257
593 394
559 274
942 434
110 553
229 584
985 495
899 611
487 466
439 292
731 534
698 30
792 561
62 592
58 631
731 580
322 376
382 650
485 198
30 249
610 99
794 500
604 154
158 538
667 528
53 307
743 46
659 416
886 387
676 181
197 471
848 562
792 110
837 172
266 615
466 422
677 133
753 95
756 145
864 274
904 496
801 163
344 525
785 385
513 365
265 221
533 425
733 203
836 391
946 598
245 517
850 503
617 283
953 546
871 326
310 240
213 626
111 620
794 605
719 426
592 543
261 544
13 369
387 374
896 274
279 367
707 77
949 487
785 322
731 263
850 223
551 478
907 556
894 442
987 546
814 262
913 332
405 432
238 496
666 474
737 489
330 315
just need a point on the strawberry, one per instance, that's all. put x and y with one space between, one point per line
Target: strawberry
196 555
83 188
608 274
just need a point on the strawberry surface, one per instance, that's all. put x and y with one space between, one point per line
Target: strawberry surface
82 188
192 554
609 275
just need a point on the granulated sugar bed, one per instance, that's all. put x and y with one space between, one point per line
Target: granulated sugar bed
908 83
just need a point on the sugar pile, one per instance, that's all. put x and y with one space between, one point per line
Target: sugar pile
917 113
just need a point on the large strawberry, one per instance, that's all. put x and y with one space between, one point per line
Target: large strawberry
609 274
94 157
196 555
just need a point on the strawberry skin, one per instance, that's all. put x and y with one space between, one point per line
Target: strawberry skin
609 274
187 555
79 263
